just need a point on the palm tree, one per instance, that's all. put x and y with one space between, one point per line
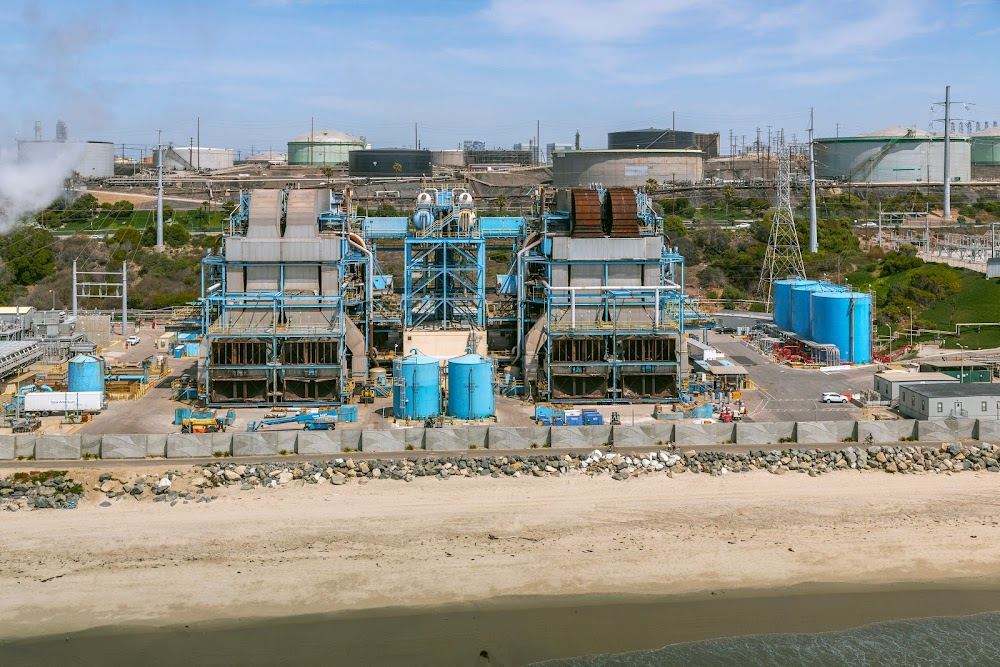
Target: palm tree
652 185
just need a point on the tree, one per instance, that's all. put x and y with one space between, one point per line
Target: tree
175 235
652 185
28 254
501 201
674 227
396 167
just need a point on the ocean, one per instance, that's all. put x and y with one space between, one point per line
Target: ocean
961 641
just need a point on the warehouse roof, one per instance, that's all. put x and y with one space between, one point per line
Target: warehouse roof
952 363
955 389
327 137
906 376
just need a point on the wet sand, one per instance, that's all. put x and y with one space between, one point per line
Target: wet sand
395 573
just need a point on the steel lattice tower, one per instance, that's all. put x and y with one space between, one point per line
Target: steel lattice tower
784 257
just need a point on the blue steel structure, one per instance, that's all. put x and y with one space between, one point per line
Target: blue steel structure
600 319
286 311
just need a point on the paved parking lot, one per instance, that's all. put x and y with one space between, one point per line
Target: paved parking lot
783 393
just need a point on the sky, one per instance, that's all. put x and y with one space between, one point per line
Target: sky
257 71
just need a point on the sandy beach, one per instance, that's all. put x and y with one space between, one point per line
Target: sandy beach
320 549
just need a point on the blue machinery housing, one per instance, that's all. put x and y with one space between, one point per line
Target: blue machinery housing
297 310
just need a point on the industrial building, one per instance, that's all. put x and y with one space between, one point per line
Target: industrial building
621 168
950 400
194 158
888 383
986 154
389 162
892 155
323 148
656 138
961 369
297 309
90 159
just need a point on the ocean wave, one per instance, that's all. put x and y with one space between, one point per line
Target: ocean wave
944 641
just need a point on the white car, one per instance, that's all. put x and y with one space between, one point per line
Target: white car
833 397
132 340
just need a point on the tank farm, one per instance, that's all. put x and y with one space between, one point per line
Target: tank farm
586 306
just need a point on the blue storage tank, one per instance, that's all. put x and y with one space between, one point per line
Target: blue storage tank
783 303
86 373
844 319
470 387
416 387
799 313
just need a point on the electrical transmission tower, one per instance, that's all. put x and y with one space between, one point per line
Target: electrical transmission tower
784 257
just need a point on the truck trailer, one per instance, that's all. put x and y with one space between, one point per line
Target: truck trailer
54 402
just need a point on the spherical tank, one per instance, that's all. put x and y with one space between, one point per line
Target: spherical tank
783 303
470 387
798 306
416 387
844 319
86 373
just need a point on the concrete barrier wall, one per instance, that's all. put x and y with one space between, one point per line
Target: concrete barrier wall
825 432
270 443
962 428
57 447
703 434
887 431
6 447
451 439
586 437
318 442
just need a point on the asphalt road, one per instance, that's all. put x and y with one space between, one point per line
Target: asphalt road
784 393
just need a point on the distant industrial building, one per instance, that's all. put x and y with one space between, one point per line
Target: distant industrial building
656 138
454 159
323 148
892 155
626 168
498 157
473 145
966 371
91 159
550 149
986 154
194 158
388 162
268 157
950 400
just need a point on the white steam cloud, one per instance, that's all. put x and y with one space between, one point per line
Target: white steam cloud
35 179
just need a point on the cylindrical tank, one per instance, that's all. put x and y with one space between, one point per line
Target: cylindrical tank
416 387
844 319
86 373
798 306
783 303
423 218
470 387
377 376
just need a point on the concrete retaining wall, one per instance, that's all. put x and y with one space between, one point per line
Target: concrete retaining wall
703 434
269 443
825 432
518 437
451 439
764 433
581 437
887 431
57 447
962 428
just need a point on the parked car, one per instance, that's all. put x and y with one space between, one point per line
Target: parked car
132 340
833 397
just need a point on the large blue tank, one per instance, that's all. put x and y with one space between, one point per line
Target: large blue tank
783 302
416 387
86 373
470 387
844 319
802 317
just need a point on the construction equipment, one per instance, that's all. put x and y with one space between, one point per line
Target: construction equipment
317 421
367 394
203 421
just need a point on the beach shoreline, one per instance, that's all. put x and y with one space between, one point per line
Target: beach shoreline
415 552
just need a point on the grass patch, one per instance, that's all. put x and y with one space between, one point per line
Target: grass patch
410 448
221 455
282 452
38 475
473 447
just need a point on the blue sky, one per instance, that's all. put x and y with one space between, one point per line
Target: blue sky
256 71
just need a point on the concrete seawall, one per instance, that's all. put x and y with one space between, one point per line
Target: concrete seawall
478 437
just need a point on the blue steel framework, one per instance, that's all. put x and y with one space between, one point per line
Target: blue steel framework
631 359
256 348
445 271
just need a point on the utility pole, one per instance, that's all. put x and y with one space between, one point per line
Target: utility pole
159 191
947 137
198 134
416 142
813 240
538 141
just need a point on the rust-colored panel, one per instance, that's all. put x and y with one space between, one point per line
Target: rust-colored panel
587 214
622 213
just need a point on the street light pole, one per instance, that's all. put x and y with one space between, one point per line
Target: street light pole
911 327
53 293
